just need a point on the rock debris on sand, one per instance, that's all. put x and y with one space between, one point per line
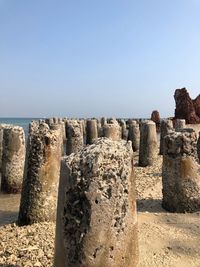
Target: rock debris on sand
165 239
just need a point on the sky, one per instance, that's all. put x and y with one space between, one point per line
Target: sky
93 58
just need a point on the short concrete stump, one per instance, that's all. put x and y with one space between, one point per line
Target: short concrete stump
181 173
112 131
97 219
74 132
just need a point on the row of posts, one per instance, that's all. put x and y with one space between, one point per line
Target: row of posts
96 211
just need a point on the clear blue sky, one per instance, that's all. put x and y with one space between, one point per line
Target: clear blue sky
90 58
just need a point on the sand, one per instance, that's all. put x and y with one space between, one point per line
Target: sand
165 239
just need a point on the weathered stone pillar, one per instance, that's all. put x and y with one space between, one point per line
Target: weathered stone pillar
180 124
198 147
97 220
180 172
134 135
112 131
165 128
99 128
13 158
49 121
74 136
91 131
41 177
103 121
124 130
1 146
148 144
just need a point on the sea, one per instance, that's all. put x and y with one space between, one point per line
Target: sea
23 122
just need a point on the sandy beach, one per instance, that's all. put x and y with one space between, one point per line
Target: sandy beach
165 239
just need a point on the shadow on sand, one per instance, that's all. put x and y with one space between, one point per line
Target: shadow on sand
150 205
7 217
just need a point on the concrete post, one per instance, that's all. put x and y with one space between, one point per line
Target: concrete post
97 218
165 128
41 177
134 135
180 173
74 136
13 158
112 131
148 144
180 124
91 131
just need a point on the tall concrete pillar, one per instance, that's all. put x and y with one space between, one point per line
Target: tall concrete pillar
124 130
180 124
134 135
198 147
112 131
97 219
99 128
1 147
180 172
148 144
91 131
74 136
165 128
41 177
13 158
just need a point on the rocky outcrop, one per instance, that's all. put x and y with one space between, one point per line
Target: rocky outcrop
97 219
186 108
155 117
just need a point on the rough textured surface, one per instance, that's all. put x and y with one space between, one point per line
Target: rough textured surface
165 128
186 107
148 144
13 158
180 124
134 135
91 131
181 173
112 131
75 132
155 117
97 220
124 130
41 177
177 239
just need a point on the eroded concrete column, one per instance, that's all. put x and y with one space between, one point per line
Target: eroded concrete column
112 131
75 139
124 130
180 172
148 144
134 135
41 177
91 131
97 220
180 124
165 128
13 158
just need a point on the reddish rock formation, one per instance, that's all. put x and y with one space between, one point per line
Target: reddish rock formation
186 108
155 117
196 103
